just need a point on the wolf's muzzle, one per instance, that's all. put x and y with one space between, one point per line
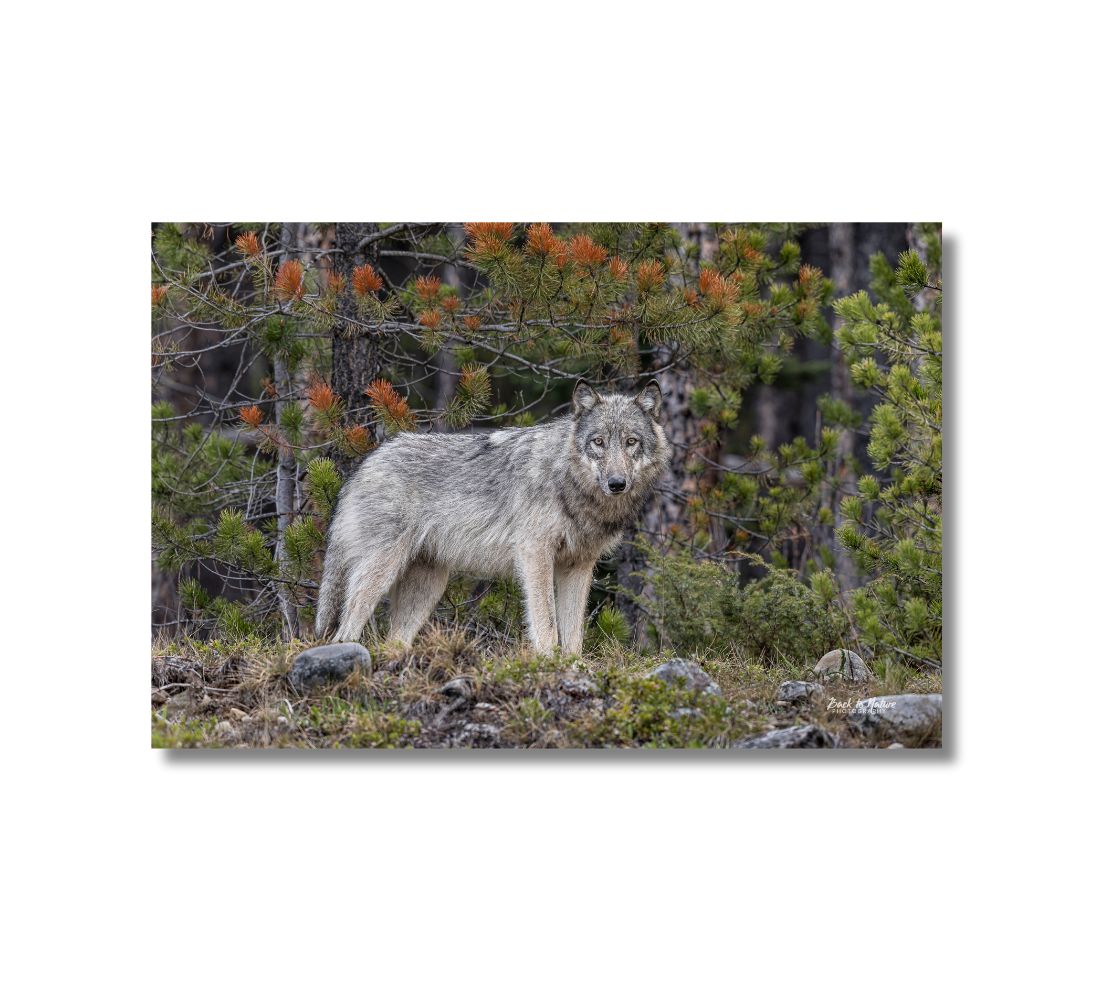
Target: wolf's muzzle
616 484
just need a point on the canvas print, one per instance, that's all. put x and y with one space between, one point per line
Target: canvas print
529 485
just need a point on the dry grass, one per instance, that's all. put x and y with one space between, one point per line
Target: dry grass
452 690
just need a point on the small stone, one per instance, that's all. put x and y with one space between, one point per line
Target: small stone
844 664
327 664
912 719
478 734
897 746
677 671
577 685
794 738
795 692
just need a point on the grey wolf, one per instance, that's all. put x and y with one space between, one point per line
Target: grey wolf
540 504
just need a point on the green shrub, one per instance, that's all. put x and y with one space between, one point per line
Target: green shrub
697 601
778 619
784 621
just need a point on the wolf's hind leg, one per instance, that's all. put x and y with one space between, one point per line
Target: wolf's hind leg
332 590
413 598
369 580
573 585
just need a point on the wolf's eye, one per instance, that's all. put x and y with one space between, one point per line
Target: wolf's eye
630 442
597 441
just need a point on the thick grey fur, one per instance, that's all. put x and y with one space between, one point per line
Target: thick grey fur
531 503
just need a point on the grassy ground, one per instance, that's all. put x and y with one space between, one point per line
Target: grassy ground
450 691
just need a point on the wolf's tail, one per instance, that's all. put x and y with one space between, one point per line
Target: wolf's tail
332 593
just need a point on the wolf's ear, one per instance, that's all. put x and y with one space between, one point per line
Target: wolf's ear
649 399
584 397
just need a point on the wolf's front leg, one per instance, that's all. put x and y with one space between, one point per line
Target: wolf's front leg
573 585
535 570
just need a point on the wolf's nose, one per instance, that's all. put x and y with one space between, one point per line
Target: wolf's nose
616 484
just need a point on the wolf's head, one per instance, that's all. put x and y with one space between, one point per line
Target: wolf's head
618 442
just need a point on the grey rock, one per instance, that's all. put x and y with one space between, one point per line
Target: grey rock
794 738
577 685
677 671
796 692
843 664
328 664
911 719
477 734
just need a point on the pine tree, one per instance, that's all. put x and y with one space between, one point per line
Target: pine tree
893 525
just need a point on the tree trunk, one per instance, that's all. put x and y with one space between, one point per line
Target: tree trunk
840 479
667 508
286 472
447 375
355 359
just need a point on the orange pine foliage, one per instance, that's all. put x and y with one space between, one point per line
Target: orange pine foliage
334 281
251 415
249 244
321 396
158 292
651 275
560 253
586 251
618 268
269 387
451 304
366 280
390 406
430 318
358 438
715 287
289 281
691 297
472 323
428 287
474 379
478 231
807 274
541 240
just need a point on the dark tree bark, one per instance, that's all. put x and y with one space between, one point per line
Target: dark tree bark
668 505
355 359
840 476
447 377
287 503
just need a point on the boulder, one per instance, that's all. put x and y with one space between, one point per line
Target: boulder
328 664
794 738
686 673
797 692
911 719
842 664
